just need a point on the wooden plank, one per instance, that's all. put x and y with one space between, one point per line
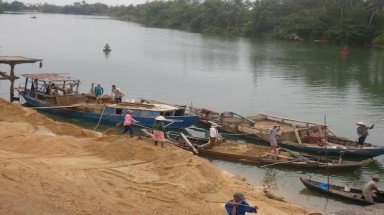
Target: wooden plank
189 144
297 135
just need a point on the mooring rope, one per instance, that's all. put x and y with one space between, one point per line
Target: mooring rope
98 123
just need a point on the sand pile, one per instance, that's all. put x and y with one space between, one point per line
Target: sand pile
49 167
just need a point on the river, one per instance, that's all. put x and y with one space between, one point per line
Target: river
297 80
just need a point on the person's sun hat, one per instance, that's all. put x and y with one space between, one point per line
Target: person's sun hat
239 195
376 177
275 124
214 125
360 123
159 118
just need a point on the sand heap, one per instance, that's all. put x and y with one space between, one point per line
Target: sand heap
49 167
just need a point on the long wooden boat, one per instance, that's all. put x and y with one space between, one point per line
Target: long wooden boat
343 192
59 94
308 137
256 154
316 162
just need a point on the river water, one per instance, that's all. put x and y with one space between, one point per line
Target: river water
304 81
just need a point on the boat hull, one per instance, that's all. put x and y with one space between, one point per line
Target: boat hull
352 153
110 116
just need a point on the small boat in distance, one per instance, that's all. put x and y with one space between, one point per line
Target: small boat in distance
107 48
33 17
342 192
59 94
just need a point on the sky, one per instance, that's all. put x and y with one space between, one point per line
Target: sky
70 2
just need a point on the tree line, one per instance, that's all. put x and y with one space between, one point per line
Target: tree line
338 21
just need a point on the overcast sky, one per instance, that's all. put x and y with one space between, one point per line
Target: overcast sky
70 2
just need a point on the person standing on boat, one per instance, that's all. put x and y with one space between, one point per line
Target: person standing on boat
158 130
128 121
213 135
362 132
117 93
370 188
238 205
273 132
99 90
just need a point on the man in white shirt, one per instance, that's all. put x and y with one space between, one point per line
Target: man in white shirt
273 132
213 135
370 188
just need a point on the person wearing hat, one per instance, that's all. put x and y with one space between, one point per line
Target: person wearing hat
362 132
273 132
370 188
238 205
128 121
158 130
213 135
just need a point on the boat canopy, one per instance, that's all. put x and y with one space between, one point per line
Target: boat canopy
50 77
17 60
150 107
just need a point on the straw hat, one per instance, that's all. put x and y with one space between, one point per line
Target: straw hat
159 118
214 125
275 124
376 177
360 123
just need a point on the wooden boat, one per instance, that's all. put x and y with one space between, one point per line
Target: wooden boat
59 94
206 115
316 162
346 193
308 137
255 154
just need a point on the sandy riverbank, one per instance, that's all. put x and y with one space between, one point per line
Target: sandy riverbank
49 167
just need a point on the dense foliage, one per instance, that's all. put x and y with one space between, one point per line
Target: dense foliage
343 21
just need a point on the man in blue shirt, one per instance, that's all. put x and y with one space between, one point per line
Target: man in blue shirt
99 90
238 205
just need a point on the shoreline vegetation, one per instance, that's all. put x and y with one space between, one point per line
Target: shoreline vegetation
51 167
342 22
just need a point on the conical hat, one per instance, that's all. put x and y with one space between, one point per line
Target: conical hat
160 118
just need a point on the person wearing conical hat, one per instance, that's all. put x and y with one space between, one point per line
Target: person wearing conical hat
158 130
362 132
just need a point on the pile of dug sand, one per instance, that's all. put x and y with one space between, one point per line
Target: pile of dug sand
50 167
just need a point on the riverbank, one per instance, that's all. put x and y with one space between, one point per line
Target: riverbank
50 167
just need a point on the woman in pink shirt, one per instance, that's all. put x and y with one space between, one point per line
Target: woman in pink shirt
128 121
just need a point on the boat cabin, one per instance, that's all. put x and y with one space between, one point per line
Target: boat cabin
52 89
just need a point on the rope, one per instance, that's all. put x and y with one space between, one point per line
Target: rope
98 123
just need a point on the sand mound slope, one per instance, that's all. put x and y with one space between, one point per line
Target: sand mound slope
47 167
